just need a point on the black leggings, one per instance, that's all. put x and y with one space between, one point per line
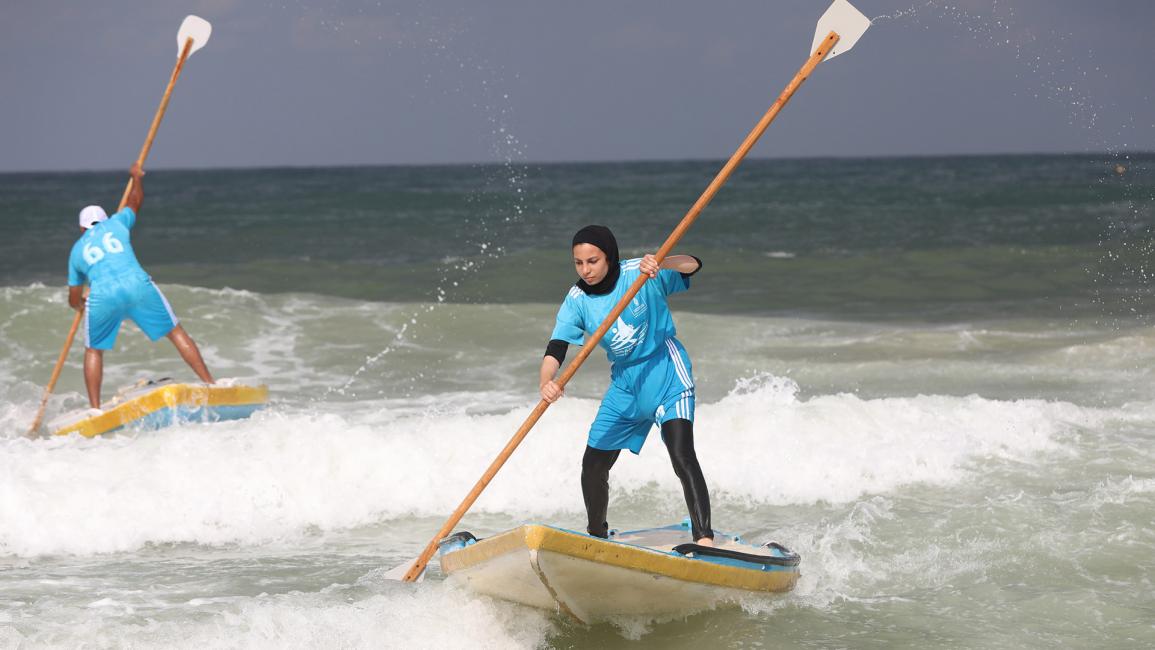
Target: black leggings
679 438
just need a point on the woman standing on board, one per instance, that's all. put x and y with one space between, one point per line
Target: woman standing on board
650 373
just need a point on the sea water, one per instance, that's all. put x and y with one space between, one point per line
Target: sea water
930 377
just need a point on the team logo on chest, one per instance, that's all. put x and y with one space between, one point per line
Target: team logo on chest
626 337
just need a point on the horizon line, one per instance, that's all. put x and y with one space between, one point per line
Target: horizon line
1112 155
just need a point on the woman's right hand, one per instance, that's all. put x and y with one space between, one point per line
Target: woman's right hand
551 392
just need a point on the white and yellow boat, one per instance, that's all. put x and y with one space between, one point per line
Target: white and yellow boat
644 572
154 404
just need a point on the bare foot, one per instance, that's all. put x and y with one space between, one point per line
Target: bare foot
705 541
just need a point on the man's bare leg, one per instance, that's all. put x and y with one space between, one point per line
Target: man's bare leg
93 375
190 353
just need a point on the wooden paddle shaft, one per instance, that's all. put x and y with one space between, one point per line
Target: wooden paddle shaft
55 373
687 221
184 53
152 129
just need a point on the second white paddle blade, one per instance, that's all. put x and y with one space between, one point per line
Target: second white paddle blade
842 19
196 28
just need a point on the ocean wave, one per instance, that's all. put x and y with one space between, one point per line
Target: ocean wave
284 473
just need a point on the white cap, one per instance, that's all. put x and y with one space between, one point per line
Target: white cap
91 216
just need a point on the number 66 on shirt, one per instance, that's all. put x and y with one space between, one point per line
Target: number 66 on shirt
92 254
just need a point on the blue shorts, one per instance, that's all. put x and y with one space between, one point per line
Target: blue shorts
139 300
653 391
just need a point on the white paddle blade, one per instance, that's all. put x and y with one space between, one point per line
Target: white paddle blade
398 572
196 28
842 19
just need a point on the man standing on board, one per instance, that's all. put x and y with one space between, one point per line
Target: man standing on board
119 289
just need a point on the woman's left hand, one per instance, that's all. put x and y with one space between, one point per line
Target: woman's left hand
649 266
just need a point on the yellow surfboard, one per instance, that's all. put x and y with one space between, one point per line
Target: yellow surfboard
149 405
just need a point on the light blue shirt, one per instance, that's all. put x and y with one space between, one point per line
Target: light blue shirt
104 253
644 325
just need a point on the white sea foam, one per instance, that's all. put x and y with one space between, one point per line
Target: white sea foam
837 553
396 617
839 447
1121 491
275 477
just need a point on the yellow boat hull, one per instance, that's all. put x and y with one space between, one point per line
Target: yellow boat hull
591 579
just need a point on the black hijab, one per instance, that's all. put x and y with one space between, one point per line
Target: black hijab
601 237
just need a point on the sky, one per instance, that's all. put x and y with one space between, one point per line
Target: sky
368 82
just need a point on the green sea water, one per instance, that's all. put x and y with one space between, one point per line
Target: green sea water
882 236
